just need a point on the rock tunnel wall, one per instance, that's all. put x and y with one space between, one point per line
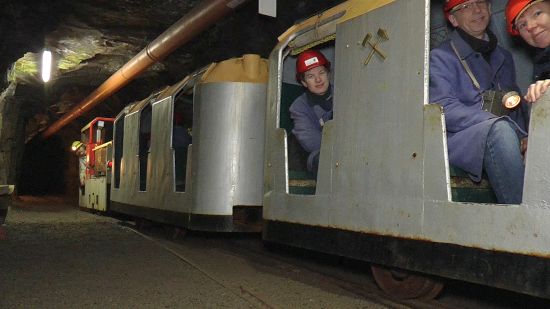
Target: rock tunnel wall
11 135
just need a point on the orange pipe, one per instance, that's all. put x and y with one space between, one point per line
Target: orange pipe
197 20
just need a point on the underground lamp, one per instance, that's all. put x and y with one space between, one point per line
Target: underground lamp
46 65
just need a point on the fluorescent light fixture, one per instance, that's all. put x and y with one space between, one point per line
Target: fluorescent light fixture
46 65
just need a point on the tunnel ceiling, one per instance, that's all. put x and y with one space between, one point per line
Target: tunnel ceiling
92 39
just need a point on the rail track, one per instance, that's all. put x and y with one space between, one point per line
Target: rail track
321 271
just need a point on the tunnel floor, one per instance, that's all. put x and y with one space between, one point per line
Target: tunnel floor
55 255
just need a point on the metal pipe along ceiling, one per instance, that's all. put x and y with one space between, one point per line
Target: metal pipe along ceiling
197 20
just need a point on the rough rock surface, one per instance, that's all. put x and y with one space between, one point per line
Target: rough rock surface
91 39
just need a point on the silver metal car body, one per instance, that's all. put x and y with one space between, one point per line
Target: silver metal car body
224 161
383 189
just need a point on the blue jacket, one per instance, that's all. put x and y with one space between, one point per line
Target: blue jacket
541 69
308 126
451 87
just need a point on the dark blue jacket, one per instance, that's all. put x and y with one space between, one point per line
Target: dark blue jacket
308 126
541 69
451 87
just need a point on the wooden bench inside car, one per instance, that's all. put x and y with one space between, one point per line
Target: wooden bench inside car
463 189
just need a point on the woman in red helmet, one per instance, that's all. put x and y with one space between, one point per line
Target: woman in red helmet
313 108
531 20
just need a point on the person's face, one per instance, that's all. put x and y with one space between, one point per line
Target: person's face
472 17
316 80
534 25
81 151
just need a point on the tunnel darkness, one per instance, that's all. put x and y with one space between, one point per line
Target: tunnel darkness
47 167
42 167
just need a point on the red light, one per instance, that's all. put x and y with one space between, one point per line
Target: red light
110 164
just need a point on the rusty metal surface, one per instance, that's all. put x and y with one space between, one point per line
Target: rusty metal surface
470 264
384 168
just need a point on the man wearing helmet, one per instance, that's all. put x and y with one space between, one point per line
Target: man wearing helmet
531 20
461 70
313 108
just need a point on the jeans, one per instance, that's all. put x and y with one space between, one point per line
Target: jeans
503 163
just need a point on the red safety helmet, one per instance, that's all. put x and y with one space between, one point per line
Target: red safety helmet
308 60
514 8
449 5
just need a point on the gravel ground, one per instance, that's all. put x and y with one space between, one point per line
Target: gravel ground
56 256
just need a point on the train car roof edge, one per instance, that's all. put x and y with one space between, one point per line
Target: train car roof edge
352 9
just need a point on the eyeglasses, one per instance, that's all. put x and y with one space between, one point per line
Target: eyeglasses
470 6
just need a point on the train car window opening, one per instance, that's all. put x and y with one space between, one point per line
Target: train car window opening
84 137
103 132
182 126
463 189
301 178
118 148
102 150
145 118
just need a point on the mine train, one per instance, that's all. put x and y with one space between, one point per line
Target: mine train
215 152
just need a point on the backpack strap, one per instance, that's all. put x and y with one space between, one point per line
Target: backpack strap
466 67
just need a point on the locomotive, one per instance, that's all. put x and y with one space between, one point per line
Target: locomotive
384 192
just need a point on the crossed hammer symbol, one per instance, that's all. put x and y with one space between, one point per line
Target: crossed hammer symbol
382 35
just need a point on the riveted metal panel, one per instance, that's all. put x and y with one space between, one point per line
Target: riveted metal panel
378 120
374 144
96 194
229 151
384 170
384 166
224 164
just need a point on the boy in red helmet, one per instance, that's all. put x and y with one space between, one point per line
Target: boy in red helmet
531 20
313 108
463 69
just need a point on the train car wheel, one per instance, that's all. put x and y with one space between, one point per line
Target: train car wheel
175 232
403 285
141 224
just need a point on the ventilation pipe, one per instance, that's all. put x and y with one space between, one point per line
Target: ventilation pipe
197 20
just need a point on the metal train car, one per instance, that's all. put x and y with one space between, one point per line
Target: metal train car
191 155
195 155
96 136
385 192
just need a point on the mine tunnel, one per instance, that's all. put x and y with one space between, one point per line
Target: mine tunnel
90 40
150 156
